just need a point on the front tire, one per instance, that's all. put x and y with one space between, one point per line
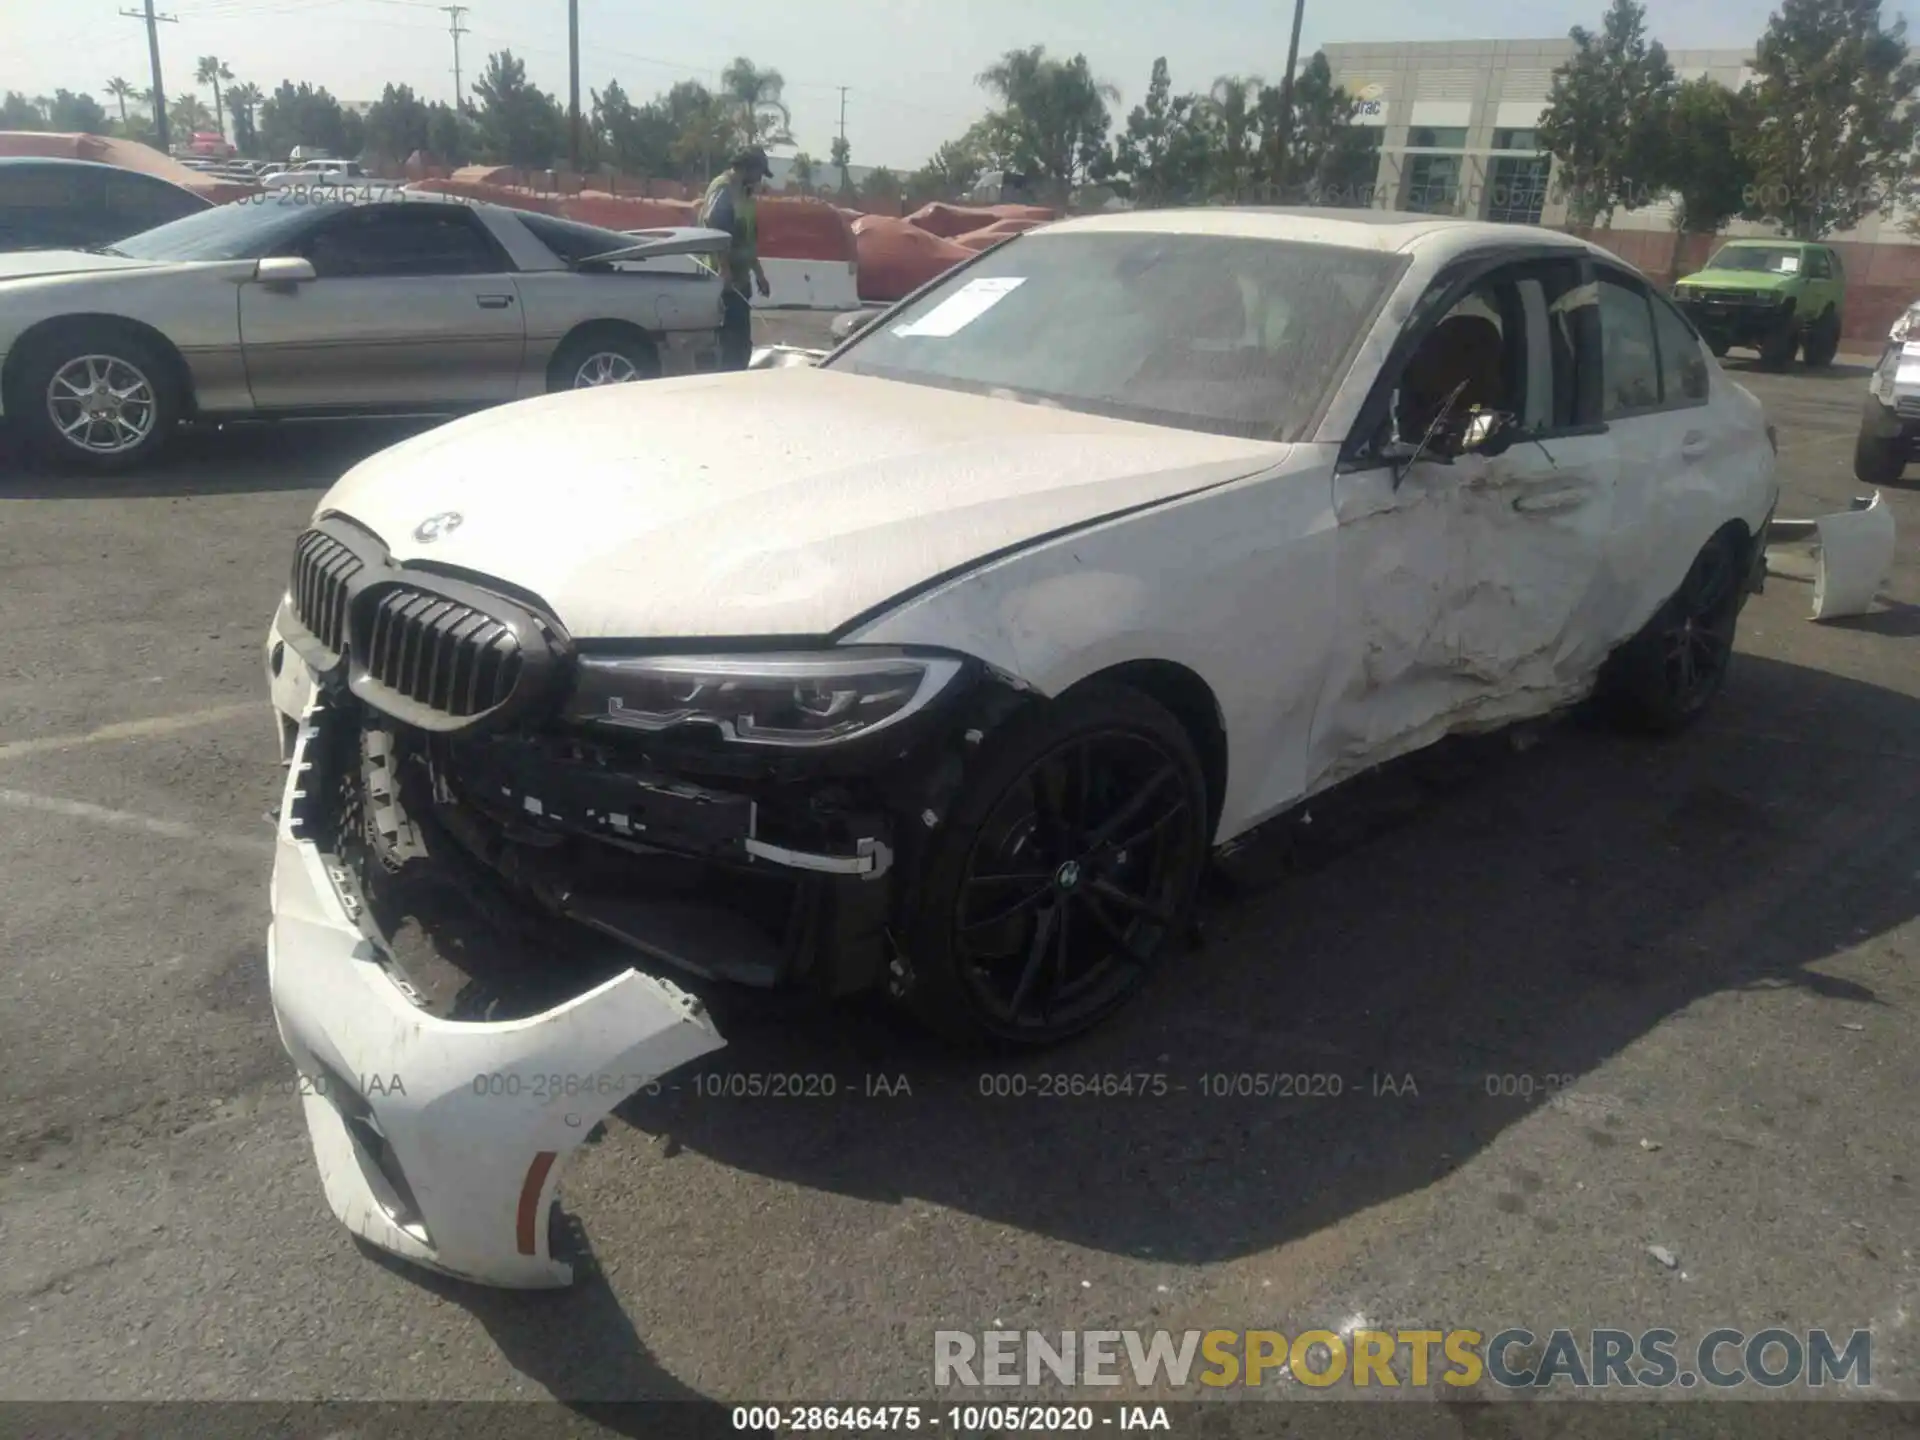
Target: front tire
1878 459
1663 680
1067 872
96 398
1777 351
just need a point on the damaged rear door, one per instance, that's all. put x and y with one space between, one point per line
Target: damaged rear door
1465 590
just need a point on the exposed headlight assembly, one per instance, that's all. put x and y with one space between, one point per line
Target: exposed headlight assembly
786 701
1904 327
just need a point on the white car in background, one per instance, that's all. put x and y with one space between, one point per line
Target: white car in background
941 666
315 172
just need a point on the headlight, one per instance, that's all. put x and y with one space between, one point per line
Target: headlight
1683 292
796 700
1903 327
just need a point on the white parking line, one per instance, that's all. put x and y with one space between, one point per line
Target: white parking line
127 820
132 729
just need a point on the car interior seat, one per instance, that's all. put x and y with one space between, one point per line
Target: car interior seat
1463 350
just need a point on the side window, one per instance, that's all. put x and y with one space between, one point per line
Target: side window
1819 265
1475 356
140 204
1683 364
1629 360
401 239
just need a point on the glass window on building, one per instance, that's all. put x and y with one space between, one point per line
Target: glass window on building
1516 140
1429 137
1433 184
1517 189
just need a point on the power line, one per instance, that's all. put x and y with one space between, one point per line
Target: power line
153 55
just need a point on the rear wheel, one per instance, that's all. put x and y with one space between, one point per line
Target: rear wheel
96 398
1068 871
1823 340
602 357
1663 679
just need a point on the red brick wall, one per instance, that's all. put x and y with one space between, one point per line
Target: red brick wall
1882 280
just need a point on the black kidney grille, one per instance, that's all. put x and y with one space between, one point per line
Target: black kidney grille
322 566
440 653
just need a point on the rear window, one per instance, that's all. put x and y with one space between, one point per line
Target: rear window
571 240
32 187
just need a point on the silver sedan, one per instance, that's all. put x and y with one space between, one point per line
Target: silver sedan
337 302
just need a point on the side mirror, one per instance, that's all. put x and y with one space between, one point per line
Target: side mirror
1488 432
283 271
846 326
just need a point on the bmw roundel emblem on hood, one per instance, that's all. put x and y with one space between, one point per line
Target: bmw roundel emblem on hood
435 526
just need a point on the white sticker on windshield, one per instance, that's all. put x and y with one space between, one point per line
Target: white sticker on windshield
963 307
1789 264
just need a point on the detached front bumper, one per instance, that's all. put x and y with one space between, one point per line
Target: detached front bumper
439 1141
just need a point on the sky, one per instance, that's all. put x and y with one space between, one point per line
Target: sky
908 65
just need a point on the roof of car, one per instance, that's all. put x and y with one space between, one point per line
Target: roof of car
1360 229
65 163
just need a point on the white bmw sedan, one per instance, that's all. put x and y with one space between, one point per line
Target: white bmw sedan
941 666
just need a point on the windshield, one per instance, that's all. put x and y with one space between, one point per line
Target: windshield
1770 259
240 230
1224 334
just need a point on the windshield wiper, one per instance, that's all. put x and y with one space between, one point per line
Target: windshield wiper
103 250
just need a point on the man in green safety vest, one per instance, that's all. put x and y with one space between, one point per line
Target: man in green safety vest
729 205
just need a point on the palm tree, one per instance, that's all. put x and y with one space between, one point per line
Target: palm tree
801 175
211 71
123 91
1231 106
188 115
756 93
242 101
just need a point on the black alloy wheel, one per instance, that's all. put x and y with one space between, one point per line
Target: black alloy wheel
1071 873
1663 679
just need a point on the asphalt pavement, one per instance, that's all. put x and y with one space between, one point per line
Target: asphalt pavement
1625 995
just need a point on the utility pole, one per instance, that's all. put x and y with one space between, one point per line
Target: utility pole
573 86
1286 86
456 29
843 112
153 54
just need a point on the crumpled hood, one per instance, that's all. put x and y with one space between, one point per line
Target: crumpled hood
778 502
36 264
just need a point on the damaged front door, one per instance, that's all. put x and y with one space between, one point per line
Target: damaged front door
1464 583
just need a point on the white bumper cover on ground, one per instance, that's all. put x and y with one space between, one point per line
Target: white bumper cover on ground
443 1141
1853 555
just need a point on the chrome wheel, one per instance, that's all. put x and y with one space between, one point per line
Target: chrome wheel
605 367
102 404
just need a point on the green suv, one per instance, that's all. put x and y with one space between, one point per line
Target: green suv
1775 296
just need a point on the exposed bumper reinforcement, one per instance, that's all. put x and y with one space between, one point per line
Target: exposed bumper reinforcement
443 1141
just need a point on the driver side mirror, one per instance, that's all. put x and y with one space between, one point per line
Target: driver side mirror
283 271
846 326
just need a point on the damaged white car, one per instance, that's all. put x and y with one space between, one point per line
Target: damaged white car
941 666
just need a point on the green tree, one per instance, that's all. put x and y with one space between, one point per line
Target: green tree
519 123
953 170
211 70
189 116
17 112
1229 115
122 91
243 104
705 131
1706 160
1834 119
800 177
449 134
1053 119
397 124
1324 158
302 115
755 97
76 114
1605 120
636 138
1163 155
882 189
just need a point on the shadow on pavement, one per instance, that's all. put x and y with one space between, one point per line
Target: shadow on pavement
239 458
1520 913
1841 372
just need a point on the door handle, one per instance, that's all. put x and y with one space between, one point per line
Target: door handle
494 302
1550 503
1694 445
